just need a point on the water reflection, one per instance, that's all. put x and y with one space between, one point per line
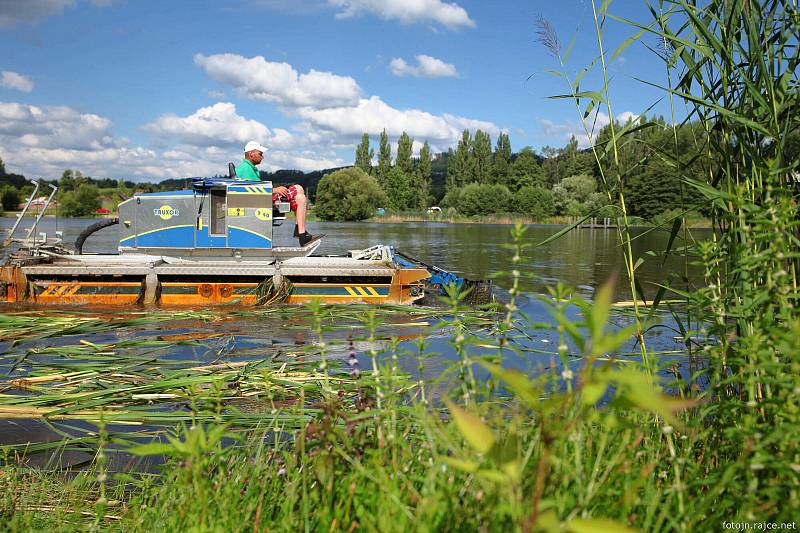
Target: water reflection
583 259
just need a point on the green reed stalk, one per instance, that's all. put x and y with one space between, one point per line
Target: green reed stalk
507 324
421 356
371 323
668 64
100 462
614 191
624 230
459 342
740 62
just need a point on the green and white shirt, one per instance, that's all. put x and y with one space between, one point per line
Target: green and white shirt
247 171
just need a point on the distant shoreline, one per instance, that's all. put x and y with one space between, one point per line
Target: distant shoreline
555 221
560 221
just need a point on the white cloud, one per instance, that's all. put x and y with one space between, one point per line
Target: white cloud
330 117
220 132
427 67
372 115
40 142
625 116
332 114
14 80
451 16
259 79
306 162
594 123
282 140
59 126
217 125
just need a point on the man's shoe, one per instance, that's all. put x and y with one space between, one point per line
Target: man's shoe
307 238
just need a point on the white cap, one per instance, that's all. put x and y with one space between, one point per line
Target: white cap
254 145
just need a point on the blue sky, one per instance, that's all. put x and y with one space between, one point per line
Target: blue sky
152 90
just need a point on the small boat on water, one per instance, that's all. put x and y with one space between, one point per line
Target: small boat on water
212 244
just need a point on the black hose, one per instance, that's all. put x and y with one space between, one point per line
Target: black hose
97 226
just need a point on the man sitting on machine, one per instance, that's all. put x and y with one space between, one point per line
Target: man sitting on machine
294 194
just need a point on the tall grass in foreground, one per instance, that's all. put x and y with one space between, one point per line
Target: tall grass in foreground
590 443
366 454
734 65
741 80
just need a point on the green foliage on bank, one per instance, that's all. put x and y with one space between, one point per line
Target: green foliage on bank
348 194
10 198
81 202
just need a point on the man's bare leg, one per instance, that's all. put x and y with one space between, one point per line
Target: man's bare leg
300 212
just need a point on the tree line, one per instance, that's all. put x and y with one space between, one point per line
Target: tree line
77 196
477 178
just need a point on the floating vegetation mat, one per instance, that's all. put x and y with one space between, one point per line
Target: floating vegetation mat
141 373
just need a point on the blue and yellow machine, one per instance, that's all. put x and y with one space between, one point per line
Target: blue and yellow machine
213 244
216 218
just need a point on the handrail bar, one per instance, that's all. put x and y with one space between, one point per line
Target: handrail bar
41 213
7 240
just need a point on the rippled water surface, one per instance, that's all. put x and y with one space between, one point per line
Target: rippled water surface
583 258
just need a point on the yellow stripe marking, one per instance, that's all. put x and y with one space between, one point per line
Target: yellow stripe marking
373 291
155 230
249 231
73 290
350 291
361 291
334 296
331 296
253 189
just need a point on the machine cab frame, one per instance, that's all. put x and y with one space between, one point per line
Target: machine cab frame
217 217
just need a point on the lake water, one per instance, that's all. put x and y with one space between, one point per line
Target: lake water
583 258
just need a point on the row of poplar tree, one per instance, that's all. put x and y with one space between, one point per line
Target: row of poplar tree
653 160
407 182
497 172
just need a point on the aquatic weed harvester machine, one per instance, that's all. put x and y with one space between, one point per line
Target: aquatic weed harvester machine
213 244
